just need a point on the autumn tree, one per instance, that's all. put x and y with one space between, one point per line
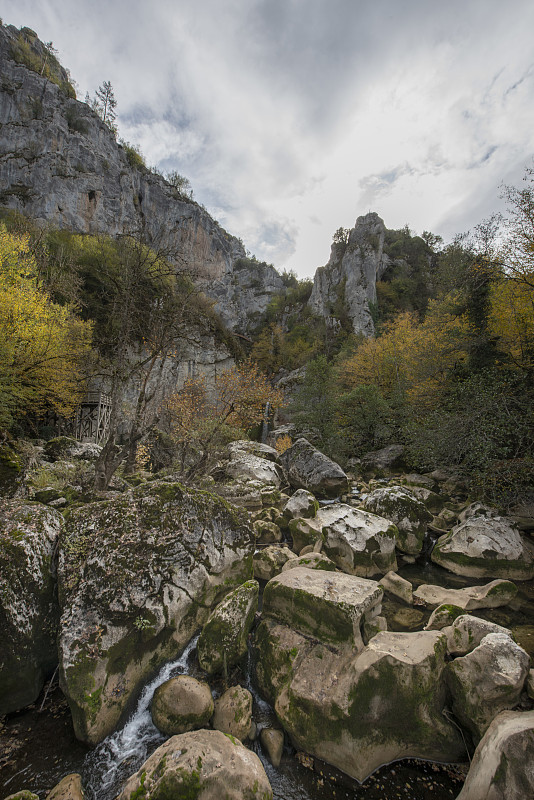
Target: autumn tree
202 419
145 309
43 345
517 251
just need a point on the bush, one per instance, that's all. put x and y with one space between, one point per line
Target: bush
41 58
133 155
75 121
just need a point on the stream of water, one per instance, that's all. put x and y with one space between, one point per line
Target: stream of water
108 766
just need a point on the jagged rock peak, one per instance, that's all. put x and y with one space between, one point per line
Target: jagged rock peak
347 284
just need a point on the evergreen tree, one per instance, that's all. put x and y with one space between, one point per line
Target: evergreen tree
104 104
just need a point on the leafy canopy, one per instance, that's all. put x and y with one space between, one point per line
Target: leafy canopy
42 344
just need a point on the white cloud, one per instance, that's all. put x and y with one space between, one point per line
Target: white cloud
292 117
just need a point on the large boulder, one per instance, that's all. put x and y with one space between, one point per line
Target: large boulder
409 515
138 575
70 788
204 765
492 595
181 704
358 709
66 448
29 612
253 448
308 468
397 587
328 606
223 641
269 561
233 712
266 532
466 632
486 547
487 680
249 467
357 542
386 461
503 764
301 504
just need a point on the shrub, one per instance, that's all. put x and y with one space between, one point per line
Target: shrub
133 155
75 121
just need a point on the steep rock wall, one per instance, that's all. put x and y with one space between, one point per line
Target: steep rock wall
347 284
61 165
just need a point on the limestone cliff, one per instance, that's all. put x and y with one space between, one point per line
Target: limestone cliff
61 165
347 284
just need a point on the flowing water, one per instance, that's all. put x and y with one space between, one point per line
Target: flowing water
122 753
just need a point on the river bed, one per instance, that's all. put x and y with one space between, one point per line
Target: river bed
38 748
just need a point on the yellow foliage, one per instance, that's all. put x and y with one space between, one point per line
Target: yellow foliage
42 344
283 443
512 319
201 420
410 358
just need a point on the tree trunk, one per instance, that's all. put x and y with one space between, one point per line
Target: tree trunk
106 464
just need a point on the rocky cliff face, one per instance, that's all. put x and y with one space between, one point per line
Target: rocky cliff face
61 165
347 284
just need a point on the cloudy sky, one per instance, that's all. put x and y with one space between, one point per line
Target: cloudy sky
293 117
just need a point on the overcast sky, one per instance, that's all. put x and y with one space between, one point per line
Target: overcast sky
293 117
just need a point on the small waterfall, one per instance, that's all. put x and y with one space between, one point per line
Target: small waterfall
265 423
122 753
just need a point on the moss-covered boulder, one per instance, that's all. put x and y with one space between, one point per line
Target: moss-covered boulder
466 632
301 504
24 794
29 612
269 561
311 561
308 468
266 532
433 502
486 547
409 514
325 605
181 704
70 788
304 533
138 575
387 461
491 595
443 616
487 680
201 765
358 711
357 542
233 712
11 469
502 765
223 640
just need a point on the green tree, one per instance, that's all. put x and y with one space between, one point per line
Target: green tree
43 345
180 183
104 103
314 404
